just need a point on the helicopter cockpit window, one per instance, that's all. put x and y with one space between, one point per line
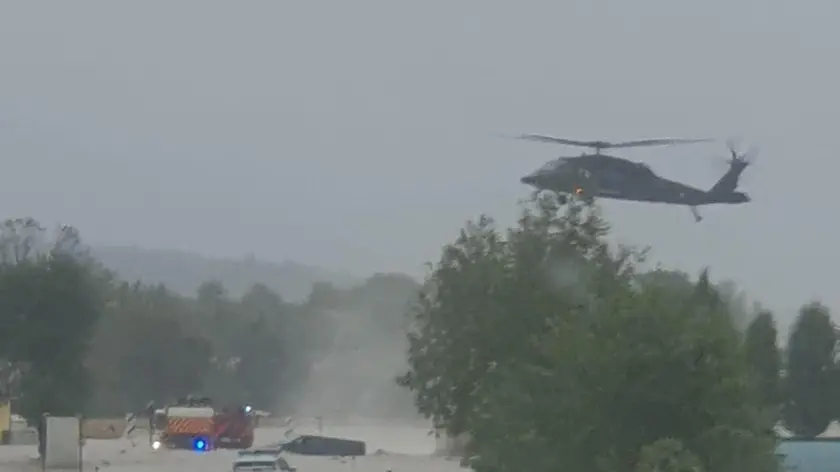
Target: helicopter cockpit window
644 167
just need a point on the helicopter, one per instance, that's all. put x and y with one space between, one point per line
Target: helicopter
598 175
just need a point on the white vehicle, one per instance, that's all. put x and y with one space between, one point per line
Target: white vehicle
18 422
261 460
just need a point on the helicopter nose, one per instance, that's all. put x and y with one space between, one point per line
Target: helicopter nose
530 179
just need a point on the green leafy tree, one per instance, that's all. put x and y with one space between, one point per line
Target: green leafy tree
479 305
706 294
546 349
810 372
667 455
50 302
760 345
219 320
266 361
155 345
673 280
455 314
125 333
645 371
736 301
163 362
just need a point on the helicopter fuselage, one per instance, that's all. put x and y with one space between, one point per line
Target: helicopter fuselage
603 176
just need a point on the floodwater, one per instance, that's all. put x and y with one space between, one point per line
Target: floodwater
394 447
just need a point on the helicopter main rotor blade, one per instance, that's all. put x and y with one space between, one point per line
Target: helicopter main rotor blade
569 142
658 142
608 145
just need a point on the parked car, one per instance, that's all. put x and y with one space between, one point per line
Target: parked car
313 445
262 460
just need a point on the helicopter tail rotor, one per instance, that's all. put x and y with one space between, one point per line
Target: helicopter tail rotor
743 159
737 162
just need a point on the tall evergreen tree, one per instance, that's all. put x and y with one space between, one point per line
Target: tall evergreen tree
760 345
810 372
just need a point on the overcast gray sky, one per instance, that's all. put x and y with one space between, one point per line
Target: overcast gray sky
358 134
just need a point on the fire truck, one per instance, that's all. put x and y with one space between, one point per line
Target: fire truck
195 424
234 428
189 424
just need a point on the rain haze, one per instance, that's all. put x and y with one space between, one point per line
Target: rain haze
359 136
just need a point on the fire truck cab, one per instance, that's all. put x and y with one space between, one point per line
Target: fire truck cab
157 425
235 427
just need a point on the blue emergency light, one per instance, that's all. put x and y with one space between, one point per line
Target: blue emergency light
200 444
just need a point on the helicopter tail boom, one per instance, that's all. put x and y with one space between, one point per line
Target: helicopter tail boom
728 183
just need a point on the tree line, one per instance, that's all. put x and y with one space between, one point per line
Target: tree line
74 338
551 349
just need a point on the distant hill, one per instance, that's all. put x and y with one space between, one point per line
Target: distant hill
183 271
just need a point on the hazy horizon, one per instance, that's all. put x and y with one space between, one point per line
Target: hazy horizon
359 137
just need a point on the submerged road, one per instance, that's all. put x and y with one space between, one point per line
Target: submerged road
390 447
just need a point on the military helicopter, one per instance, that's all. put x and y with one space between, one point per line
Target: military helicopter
598 175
